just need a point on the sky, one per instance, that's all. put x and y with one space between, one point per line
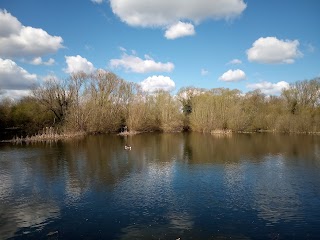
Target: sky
167 44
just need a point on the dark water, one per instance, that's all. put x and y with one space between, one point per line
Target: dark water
169 186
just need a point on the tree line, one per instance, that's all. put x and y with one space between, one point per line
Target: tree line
102 102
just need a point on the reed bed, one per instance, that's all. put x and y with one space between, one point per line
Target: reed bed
48 134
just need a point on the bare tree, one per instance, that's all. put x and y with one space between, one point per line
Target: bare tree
305 94
107 101
77 116
56 96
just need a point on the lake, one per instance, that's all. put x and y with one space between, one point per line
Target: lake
169 186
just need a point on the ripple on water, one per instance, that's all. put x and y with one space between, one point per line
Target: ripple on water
28 215
220 189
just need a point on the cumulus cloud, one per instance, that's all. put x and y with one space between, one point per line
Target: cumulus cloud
179 30
14 77
17 40
154 83
50 77
14 94
145 13
77 64
272 50
268 87
39 61
233 76
166 13
235 61
9 24
135 64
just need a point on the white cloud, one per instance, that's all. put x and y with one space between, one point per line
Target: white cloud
9 24
77 64
146 13
50 77
14 77
233 76
273 50
179 30
204 72
97 1
190 92
235 61
154 83
135 64
268 87
17 40
39 61
14 94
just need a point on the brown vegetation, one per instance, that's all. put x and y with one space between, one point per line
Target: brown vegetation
102 102
48 134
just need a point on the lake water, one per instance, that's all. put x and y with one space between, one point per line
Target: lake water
169 186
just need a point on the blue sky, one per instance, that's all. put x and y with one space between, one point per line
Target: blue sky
166 44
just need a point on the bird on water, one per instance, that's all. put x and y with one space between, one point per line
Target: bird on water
127 147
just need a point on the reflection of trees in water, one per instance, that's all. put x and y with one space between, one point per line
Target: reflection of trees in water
205 148
158 148
100 162
268 186
91 163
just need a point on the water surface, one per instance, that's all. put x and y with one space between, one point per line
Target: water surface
169 186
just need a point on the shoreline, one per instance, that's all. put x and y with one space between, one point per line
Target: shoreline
45 138
129 133
52 137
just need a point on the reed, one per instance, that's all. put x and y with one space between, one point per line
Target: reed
221 132
128 133
48 134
